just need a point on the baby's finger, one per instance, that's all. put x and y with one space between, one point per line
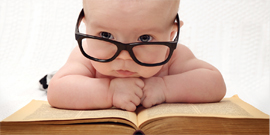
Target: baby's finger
147 103
139 83
139 92
142 98
129 106
136 100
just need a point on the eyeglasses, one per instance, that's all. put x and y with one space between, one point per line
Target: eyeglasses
143 53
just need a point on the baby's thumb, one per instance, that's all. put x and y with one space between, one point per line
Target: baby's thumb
140 83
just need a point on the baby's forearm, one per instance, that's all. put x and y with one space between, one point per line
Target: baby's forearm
199 85
79 92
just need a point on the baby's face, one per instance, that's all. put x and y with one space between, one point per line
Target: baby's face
129 21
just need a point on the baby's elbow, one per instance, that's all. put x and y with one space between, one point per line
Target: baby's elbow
50 97
51 94
220 87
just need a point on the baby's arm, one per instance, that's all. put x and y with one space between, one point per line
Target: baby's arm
74 86
189 80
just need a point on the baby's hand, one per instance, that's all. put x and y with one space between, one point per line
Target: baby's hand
153 92
127 92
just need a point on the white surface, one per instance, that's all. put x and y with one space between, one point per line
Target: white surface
36 38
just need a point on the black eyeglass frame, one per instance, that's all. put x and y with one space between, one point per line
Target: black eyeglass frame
124 46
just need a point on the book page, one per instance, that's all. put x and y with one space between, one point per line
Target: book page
228 108
41 111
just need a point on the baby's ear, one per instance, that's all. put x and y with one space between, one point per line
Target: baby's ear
181 23
175 29
83 20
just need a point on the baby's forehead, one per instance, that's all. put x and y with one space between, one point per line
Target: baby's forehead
127 6
131 13
132 2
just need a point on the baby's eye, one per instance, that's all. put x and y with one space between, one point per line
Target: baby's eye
145 38
106 35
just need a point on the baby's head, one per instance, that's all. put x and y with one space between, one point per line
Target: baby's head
132 13
129 21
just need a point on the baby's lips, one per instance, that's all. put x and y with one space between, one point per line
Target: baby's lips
125 72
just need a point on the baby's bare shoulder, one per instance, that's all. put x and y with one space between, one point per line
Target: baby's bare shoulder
184 60
177 62
182 53
77 64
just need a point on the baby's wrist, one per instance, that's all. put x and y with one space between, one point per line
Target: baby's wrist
110 92
164 89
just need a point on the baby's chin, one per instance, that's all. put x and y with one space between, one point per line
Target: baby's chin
133 76
125 74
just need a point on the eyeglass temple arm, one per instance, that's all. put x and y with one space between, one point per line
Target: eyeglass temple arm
178 23
79 21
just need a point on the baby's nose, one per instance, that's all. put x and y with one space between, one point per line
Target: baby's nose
124 55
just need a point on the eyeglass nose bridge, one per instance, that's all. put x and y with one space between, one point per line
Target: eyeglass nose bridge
127 47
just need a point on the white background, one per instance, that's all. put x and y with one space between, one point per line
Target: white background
36 37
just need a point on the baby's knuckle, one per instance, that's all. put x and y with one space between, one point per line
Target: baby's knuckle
137 102
132 108
146 105
129 106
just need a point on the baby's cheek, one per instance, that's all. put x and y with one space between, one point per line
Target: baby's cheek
102 68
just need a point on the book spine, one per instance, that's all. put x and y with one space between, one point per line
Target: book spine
138 132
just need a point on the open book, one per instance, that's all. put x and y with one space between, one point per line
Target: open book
231 115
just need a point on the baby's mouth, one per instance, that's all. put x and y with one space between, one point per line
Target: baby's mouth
125 72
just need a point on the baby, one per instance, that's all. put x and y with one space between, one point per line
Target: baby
129 56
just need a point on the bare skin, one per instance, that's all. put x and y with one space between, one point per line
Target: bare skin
85 84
